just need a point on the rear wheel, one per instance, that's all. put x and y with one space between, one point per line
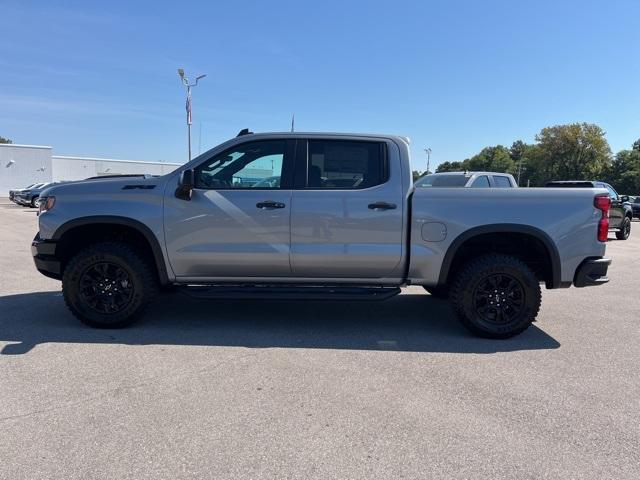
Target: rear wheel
496 296
625 229
108 285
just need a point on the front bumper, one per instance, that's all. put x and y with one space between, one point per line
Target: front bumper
592 271
44 256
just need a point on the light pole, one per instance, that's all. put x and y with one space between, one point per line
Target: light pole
428 152
519 170
185 82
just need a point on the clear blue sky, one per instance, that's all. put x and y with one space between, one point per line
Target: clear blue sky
99 78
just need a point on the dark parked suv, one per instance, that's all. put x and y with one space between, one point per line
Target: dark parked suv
635 207
620 214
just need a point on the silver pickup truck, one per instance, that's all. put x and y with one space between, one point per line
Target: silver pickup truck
311 215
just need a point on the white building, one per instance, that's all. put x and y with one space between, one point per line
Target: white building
22 165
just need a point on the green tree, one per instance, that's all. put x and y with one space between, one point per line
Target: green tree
636 145
493 159
452 166
578 151
5 140
521 154
518 151
624 172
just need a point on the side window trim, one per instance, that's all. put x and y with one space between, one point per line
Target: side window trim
300 173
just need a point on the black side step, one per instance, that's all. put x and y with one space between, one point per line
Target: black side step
279 292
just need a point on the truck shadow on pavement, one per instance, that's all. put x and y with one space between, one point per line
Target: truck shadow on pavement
406 323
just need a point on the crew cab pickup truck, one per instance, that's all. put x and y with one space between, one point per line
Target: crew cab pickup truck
344 221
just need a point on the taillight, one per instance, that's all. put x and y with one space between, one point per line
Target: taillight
603 203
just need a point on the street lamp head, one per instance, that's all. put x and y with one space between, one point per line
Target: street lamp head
200 76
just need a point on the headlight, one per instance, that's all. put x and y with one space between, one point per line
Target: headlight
46 204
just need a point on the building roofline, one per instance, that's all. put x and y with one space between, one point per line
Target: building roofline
95 159
23 146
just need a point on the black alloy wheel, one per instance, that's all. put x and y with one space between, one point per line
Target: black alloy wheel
106 288
108 285
499 299
625 229
496 296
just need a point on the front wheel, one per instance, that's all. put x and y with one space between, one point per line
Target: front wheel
108 285
496 296
35 202
625 229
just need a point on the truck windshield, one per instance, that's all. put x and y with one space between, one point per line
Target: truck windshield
442 181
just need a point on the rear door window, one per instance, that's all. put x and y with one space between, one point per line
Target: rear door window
345 164
501 181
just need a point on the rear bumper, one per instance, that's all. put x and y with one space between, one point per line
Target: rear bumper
44 256
592 271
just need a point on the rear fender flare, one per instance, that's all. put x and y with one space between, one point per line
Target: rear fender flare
546 240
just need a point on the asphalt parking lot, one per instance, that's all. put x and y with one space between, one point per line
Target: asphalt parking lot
397 389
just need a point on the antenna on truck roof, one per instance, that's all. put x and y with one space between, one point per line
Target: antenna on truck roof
244 131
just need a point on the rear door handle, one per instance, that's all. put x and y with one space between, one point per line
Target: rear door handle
269 205
382 206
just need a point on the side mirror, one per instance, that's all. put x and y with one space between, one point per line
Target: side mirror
624 198
185 185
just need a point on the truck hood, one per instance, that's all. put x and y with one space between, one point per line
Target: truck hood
104 186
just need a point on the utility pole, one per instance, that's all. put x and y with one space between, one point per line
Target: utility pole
185 82
519 169
428 152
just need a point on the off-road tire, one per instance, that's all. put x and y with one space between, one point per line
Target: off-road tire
625 229
140 277
441 291
470 283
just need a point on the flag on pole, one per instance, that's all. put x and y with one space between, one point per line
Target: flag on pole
188 106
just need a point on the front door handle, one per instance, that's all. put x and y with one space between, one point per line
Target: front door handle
382 206
269 205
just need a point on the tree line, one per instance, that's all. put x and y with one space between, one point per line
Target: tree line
578 151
